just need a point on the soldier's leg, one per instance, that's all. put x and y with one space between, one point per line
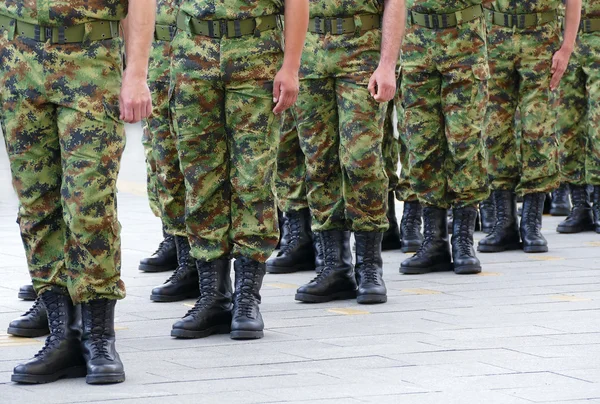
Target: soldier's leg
592 164
151 180
571 131
391 237
500 136
296 246
539 146
170 187
421 84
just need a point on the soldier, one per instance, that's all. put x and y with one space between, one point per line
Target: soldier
63 102
527 62
170 186
296 251
577 125
444 92
347 77
227 94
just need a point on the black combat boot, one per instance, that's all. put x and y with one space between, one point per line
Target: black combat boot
560 204
183 283
27 293
487 214
391 238
104 365
247 323
212 312
547 203
61 356
434 253
531 223
596 207
581 217
410 226
505 234
281 224
34 323
335 280
369 268
463 253
165 257
296 252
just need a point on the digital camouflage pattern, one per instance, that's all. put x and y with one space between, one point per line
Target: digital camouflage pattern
444 94
290 188
525 163
525 6
59 13
343 8
222 103
166 188
390 147
230 9
440 6
579 108
64 140
341 132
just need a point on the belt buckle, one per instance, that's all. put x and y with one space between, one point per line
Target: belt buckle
328 25
587 26
339 25
444 20
172 31
48 34
521 21
318 29
435 21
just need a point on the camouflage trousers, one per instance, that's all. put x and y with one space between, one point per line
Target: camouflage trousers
390 147
444 93
290 188
222 101
520 61
60 117
341 132
579 114
166 187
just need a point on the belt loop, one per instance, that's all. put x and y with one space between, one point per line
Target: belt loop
12 28
357 25
223 31
459 17
61 35
318 29
328 27
237 28
85 42
538 17
211 29
339 25
257 24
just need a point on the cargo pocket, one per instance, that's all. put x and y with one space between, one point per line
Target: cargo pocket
479 94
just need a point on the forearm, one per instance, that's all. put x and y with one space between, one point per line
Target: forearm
139 32
394 22
572 18
296 25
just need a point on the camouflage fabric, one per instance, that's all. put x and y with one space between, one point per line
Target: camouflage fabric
230 9
151 174
515 54
579 113
290 188
341 132
57 13
403 189
337 8
64 140
222 105
440 6
166 12
390 147
444 94
525 6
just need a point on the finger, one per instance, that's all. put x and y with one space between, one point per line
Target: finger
555 80
554 64
276 91
371 86
127 112
139 112
121 108
280 107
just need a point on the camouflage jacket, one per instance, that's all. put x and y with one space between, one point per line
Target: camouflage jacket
525 6
590 8
342 8
440 6
230 9
58 13
166 12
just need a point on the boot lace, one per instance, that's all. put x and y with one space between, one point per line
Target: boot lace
292 235
35 309
245 296
561 193
55 314
208 280
428 236
99 329
368 271
532 214
501 213
164 245
411 219
488 206
464 244
184 261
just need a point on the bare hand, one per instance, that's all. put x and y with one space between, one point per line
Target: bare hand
135 100
285 89
382 84
560 61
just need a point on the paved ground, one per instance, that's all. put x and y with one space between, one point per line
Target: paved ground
527 330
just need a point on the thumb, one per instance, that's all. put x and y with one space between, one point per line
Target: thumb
371 87
276 91
554 63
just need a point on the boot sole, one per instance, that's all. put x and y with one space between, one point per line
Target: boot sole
536 249
241 334
419 271
28 332
498 248
69 373
289 270
155 268
306 298
178 298
371 299
188 334
28 297
560 212
108 378
467 269
570 230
